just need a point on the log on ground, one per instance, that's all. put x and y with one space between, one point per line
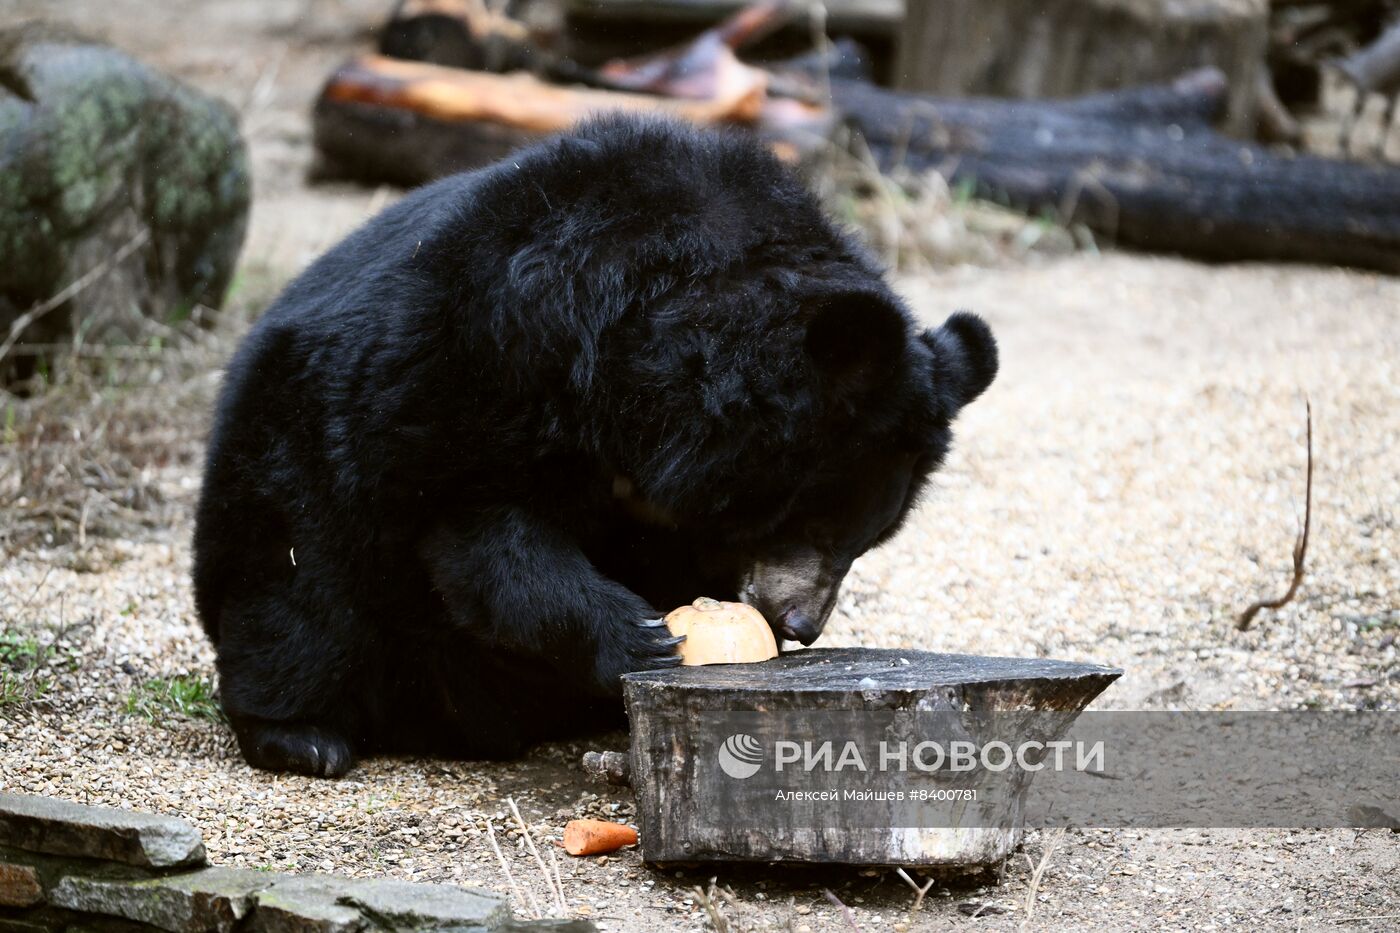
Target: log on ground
1144 168
403 122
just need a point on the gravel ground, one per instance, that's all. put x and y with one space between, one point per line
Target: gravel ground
1132 480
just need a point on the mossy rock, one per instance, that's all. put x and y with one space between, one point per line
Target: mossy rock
95 149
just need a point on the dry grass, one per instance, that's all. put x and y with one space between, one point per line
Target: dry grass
100 443
916 223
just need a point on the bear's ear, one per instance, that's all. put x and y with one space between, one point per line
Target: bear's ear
966 355
855 340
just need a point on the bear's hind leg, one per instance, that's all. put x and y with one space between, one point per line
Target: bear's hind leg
292 682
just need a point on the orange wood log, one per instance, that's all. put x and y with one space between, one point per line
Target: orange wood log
520 100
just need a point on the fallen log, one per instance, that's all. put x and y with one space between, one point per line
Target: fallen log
1144 168
407 122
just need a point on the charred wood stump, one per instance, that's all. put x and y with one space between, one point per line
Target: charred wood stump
1144 168
680 720
599 30
460 34
1031 49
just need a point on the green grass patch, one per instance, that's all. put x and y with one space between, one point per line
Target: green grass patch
20 690
22 652
186 696
21 683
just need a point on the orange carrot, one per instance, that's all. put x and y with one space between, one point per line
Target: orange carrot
597 837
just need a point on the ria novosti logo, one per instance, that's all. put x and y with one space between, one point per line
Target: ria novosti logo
740 756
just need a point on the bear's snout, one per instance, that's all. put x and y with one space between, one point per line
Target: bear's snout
796 625
795 591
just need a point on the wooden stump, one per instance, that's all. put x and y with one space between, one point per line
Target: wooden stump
687 806
1033 49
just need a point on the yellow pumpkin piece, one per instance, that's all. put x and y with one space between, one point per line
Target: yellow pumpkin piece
722 633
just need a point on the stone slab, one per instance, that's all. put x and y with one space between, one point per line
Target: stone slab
57 827
69 867
306 904
211 900
21 926
19 886
405 905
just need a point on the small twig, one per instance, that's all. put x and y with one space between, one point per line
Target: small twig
262 90
539 860
35 592
558 883
1052 842
1363 918
22 323
1300 548
918 891
712 909
526 899
845 911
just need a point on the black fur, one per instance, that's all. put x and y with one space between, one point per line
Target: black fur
472 452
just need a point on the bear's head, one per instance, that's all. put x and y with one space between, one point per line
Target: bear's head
730 362
783 461
868 481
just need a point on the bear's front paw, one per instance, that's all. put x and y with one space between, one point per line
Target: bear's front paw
296 747
646 645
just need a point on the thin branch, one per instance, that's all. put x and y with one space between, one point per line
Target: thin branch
1300 548
919 892
527 899
845 911
22 323
558 883
558 894
709 901
1052 842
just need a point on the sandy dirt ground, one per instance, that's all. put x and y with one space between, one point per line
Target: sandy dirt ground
1132 480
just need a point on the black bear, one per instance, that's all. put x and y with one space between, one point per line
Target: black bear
465 462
